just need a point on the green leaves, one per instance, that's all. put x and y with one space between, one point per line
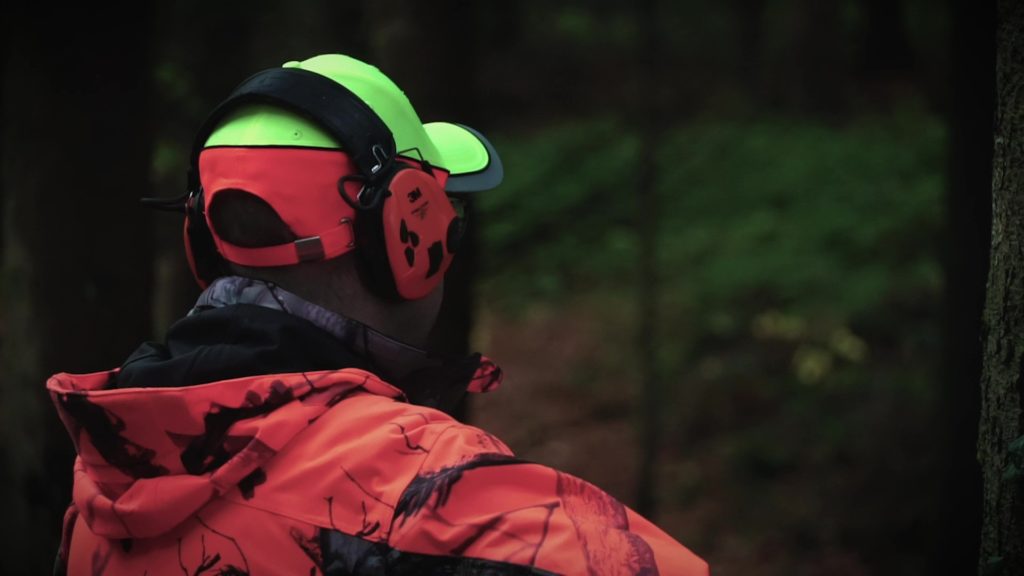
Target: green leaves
806 218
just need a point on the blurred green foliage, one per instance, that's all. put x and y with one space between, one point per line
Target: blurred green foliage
781 213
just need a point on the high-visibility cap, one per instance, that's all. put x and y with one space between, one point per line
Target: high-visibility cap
469 159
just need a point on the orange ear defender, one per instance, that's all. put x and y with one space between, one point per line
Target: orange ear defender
404 226
406 229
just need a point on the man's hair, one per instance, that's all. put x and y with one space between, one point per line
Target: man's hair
246 220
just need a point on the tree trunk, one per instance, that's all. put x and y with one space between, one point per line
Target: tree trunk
1001 435
885 44
750 23
649 95
965 248
77 248
822 68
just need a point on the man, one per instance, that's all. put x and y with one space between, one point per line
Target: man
291 423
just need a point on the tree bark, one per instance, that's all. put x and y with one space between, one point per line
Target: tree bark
77 245
1001 435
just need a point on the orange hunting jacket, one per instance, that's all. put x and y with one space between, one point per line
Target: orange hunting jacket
324 472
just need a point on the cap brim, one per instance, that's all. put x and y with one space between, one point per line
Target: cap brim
472 163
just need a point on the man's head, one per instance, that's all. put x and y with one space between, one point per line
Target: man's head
320 176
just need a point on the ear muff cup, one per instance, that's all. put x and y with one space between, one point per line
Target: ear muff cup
404 241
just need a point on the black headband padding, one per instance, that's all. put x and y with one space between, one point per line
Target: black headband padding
344 115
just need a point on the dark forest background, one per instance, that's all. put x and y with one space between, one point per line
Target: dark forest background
734 275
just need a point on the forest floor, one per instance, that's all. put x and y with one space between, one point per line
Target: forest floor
743 479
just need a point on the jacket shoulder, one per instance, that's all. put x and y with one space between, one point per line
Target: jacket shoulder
474 500
348 470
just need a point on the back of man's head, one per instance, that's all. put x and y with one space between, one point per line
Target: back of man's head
320 177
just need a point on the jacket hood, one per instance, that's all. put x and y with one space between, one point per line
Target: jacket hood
148 458
198 415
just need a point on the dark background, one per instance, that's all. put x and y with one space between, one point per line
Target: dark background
734 274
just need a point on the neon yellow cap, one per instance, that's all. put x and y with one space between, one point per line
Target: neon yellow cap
471 161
